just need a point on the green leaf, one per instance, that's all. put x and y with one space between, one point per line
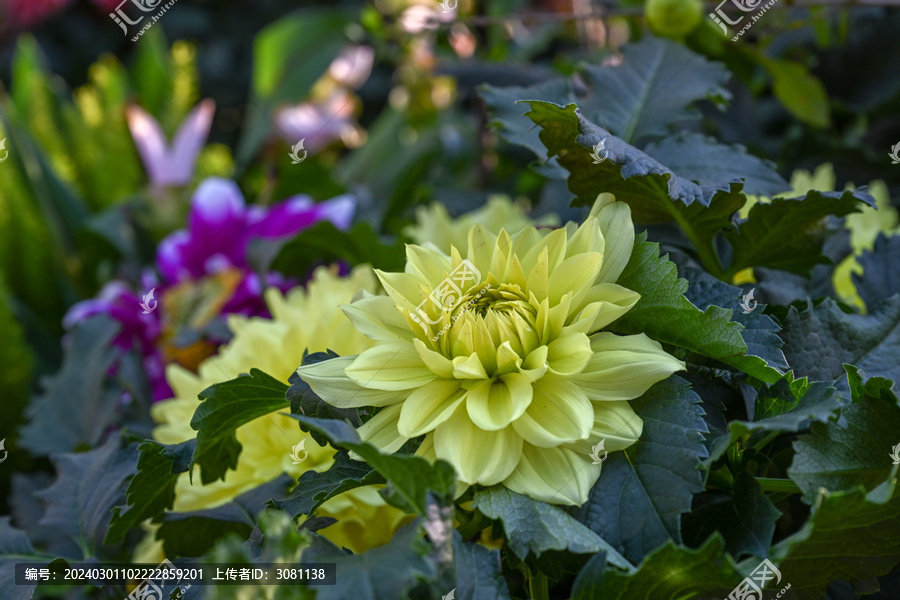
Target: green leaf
409 478
664 314
800 92
383 573
225 407
881 271
711 164
779 408
653 88
314 488
637 503
77 405
788 234
668 573
194 533
15 547
534 527
152 489
87 487
478 572
294 257
855 452
745 516
653 191
820 340
851 536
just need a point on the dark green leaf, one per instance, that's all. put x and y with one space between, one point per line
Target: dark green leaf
788 234
409 478
534 527
306 402
87 487
745 516
668 573
800 92
478 573
855 452
314 488
820 340
152 489
711 164
637 503
194 533
225 407
77 404
653 88
664 314
851 536
15 547
881 271
384 573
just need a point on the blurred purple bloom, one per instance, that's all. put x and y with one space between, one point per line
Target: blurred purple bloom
173 166
318 123
219 229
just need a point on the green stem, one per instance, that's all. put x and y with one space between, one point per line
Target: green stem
765 441
537 586
770 484
705 250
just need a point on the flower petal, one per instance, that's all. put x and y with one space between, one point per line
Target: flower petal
479 456
618 234
381 430
389 367
616 424
569 354
428 407
624 367
559 413
377 317
328 381
469 367
614 300
554 475
493 405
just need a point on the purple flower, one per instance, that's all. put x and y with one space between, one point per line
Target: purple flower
219 229
170 166
317 123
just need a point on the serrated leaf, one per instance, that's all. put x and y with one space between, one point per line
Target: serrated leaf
87 487
15 547
152 489
77 405
855 452
668 573
788 234
383 573
881 271
533 527
653 87
306 402
851 536
637 503
314 488
664 314
225 407
759 332
711 164
194 533
409 478
820 340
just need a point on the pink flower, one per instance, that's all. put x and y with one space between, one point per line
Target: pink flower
165 165
318 123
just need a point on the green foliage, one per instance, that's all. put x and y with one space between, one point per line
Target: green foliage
226 406
642 492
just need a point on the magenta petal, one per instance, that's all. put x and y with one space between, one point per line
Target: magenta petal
171 256
338 210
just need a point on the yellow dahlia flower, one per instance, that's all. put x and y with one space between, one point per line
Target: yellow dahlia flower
496 356
304 319
435 226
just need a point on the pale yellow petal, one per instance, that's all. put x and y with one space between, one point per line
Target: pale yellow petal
377 317
616 424
554 475
479 456
429 406
618 234
328 381
569 355
382 430
389 367
493 405
559 413
624 367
